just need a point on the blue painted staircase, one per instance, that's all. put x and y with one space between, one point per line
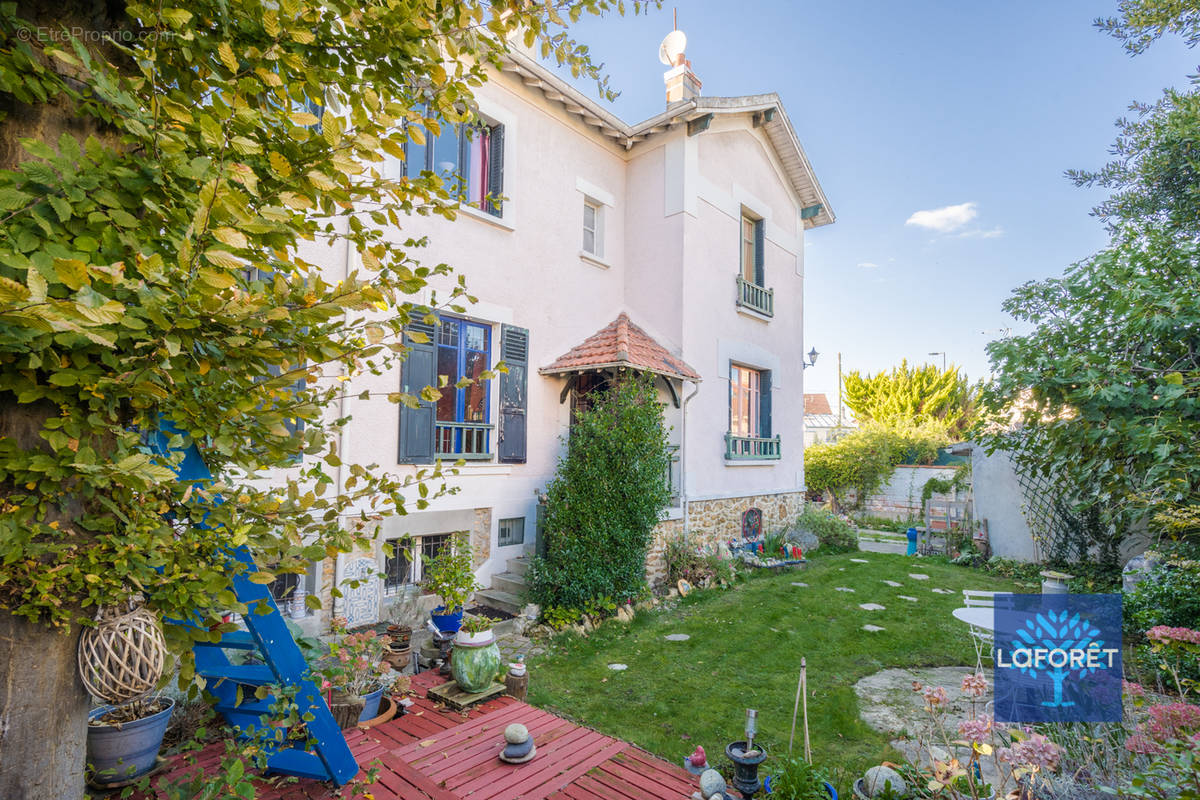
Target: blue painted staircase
323 754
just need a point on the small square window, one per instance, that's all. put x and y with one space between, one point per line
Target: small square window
512 531
593 228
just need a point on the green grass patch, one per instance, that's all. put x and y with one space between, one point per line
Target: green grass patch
745 650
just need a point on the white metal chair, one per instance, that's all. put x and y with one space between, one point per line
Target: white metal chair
983 639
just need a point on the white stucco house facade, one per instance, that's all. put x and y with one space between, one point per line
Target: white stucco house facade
673 246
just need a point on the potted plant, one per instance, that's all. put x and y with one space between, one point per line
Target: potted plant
451 576
476 657
123 741
796 779
354 670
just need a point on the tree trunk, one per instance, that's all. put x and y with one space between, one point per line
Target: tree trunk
43 713
43 705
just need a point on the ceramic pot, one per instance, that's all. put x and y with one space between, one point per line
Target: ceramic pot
475 661
119 753
370 708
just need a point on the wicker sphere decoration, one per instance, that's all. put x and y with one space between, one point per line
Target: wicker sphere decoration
121 659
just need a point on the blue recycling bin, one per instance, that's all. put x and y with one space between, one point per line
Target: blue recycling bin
912 542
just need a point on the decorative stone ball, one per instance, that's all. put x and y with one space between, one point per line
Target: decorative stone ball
711 783
877 779
516 733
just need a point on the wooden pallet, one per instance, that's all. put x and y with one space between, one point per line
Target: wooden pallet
452 695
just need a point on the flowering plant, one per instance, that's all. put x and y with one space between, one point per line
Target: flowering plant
1176 649
355 661
1019 756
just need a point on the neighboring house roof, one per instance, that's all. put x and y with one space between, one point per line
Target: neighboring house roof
621 344
816 404
778 127
824 421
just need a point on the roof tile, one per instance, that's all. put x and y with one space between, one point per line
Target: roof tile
621 344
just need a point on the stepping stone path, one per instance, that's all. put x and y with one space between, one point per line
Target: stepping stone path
844 589
917 576
860 561
798 583
618 667
871 607
871 628
677 637
942 591
906 597
893 583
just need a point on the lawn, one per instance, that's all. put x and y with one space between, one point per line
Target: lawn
745 650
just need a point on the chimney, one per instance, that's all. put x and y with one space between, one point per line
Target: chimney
682 83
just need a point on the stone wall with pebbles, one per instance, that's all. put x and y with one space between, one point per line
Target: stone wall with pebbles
711 522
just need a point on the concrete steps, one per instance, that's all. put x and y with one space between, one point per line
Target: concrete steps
509 582
518 566
498 598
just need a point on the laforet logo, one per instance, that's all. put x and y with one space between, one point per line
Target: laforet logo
1058 658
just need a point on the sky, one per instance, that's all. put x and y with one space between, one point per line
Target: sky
939 131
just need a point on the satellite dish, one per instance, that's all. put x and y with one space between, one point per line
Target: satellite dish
672 47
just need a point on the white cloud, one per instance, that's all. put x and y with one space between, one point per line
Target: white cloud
867 264
979 233
945 219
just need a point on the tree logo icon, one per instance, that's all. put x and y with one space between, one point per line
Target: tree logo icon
1056 633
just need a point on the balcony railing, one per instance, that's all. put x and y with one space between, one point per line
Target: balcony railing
751 448
751 295
468 440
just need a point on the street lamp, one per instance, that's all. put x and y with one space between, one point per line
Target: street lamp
812 359
941 353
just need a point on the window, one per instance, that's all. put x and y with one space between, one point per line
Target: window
468 157
745 401
404 559
751 264
593 228
463 352
512 531
749 435
283 588
397 564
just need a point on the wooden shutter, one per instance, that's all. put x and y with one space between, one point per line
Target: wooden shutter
418 370
495 185
764 394
759 278
514 351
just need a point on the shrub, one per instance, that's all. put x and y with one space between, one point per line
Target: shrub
1169 595
835 534
686 561
864 460
605 500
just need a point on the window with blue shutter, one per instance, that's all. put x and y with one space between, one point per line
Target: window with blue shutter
469 158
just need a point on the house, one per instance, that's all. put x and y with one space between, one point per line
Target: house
673 247
821 423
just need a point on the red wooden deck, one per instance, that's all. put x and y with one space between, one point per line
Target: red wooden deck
433 753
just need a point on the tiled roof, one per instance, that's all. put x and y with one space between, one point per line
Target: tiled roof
816 404
621 344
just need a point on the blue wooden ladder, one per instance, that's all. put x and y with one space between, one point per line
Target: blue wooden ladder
325 754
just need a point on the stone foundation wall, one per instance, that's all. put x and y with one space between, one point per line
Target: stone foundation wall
481 537
711 522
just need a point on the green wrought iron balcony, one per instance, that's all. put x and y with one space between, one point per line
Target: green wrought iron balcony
752 448
467 440
754 297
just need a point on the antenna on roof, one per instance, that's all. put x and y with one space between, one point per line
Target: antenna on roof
670 52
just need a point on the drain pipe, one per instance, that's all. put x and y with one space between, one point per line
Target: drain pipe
683 497
337 602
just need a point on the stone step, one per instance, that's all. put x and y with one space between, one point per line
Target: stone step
496 598
509 582
518 566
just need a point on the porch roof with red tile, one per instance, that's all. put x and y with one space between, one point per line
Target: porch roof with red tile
621 345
